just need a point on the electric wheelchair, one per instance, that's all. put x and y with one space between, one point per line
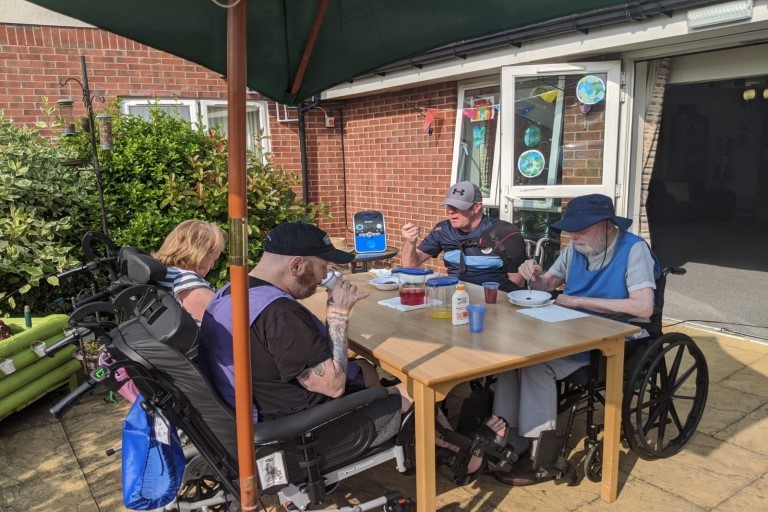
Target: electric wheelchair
300 457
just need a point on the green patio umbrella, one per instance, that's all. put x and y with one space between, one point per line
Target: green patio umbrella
295 49
353 37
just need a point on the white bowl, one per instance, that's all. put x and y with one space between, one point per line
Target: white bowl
385 283
532 297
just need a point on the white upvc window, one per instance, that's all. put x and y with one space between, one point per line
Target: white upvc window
477 142
212 114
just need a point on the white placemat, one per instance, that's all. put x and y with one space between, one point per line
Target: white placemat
552 313
394 303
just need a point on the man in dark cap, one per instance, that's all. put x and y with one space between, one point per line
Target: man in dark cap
296 361
457 237
606 271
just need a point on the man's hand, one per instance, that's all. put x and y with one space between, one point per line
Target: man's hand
530 270
344 296
411 232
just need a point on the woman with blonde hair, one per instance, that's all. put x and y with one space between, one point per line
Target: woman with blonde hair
189 252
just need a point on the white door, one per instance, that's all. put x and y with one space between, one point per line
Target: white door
561 140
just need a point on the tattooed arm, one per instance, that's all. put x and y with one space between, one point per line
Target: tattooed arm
329 377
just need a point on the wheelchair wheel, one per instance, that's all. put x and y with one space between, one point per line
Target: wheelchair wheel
202 489
665 397
593 462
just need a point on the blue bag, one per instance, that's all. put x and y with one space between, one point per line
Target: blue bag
153 460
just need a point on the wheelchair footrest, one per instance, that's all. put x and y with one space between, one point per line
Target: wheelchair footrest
497 458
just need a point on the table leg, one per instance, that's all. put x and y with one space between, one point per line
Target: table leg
611 437
426 486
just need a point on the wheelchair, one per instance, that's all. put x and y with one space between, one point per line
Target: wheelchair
666 383
300 458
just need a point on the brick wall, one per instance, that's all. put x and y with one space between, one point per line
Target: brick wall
584 140
391 164
389 161
34 59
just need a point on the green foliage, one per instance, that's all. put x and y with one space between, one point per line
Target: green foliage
165 170
44 210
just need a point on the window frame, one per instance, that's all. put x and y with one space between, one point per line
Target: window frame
198 110
493 200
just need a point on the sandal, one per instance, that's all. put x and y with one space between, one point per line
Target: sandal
485 443
458 463
495 450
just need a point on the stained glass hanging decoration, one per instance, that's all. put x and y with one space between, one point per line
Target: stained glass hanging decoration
531 163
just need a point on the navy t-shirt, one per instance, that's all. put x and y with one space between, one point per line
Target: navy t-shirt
480 267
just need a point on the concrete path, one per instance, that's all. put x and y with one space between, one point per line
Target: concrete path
50 465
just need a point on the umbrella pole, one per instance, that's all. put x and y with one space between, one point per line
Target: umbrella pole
238 252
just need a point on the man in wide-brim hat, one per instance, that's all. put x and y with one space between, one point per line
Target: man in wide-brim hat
606 271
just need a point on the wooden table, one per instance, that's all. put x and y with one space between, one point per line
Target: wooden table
432 356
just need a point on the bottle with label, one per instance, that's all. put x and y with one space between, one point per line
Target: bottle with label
459 303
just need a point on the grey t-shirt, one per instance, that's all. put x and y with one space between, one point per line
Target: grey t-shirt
639 265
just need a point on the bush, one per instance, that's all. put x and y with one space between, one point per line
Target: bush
44 210
164 170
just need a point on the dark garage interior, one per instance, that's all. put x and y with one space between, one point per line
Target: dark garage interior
708 203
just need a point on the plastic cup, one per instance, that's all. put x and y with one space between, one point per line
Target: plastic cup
38 347
491 290
7 366
476 317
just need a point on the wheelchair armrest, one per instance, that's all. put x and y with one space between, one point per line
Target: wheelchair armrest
301 422
638 320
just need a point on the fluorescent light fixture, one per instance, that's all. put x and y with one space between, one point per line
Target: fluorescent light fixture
721 13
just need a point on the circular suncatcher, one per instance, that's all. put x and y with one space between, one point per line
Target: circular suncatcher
531 163
590 90
532 136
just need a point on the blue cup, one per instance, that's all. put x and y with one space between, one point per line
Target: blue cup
476 317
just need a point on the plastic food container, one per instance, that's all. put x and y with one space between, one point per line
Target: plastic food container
412 285
439 293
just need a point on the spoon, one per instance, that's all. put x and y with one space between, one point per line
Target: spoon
528 281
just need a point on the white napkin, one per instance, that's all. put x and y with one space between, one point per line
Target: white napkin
394 303
552 313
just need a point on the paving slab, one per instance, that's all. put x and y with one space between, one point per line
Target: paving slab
751 433
752 497
753 378
94 426
704 472
727 406
38 468
642 496
724 360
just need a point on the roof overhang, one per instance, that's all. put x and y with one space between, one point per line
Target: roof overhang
647 37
